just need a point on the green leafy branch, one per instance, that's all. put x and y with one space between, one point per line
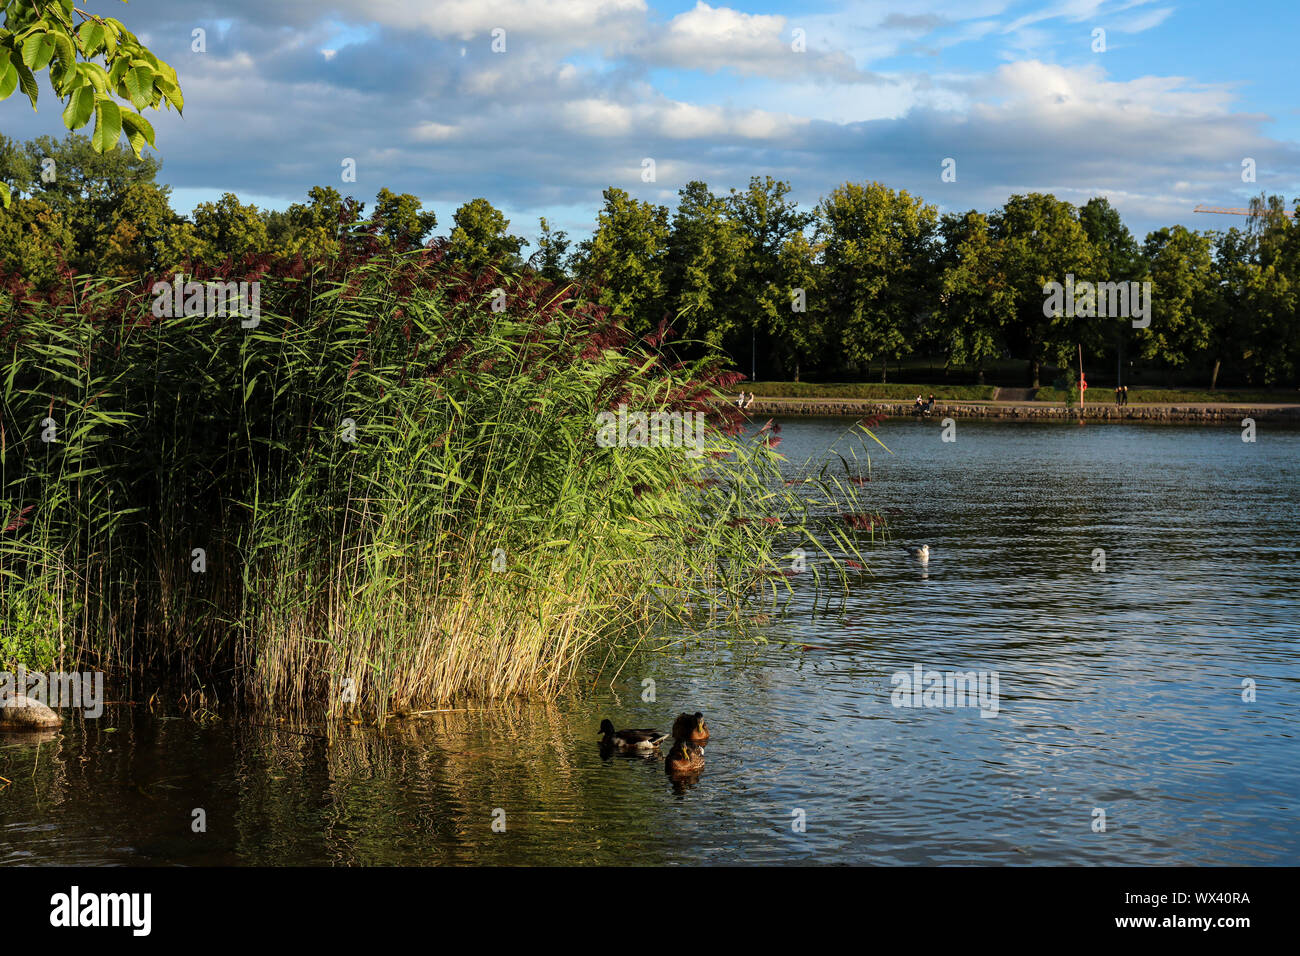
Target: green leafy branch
38 35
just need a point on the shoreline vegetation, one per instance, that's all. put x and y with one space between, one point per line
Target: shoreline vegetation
1026 411
967 401
384 494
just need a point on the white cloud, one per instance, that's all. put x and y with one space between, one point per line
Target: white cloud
1144 21
713 38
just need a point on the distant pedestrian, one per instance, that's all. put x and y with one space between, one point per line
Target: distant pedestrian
1125 396
1118 396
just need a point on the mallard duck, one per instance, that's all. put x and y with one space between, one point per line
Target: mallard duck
691 727
685 757
630 739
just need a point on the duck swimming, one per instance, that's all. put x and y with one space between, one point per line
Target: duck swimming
921 554
684 758
630 739
691 727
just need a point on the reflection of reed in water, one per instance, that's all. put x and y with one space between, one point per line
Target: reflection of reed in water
429 790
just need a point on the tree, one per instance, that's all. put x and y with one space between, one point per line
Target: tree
225 229
68 41
1117 257
34 240
401 220
1273 292
794 308
879 267
704 255
627 257
767 219
1184 284
480 237
552 247
88 189
1234 261
135 238
317 229
1042 242
976 305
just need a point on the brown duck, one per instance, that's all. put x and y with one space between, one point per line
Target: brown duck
691 727
684 758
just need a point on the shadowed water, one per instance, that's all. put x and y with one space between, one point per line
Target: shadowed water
1119 690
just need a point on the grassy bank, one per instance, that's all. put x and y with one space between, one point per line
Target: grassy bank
1172 396
868 391
386 492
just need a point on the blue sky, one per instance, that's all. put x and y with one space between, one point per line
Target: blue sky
1015 92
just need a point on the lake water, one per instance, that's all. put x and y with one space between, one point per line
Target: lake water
1118 691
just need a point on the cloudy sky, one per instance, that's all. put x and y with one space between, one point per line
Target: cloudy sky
1157 113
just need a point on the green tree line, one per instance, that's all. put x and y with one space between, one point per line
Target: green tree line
868 277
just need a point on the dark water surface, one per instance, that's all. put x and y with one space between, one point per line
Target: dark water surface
1118 691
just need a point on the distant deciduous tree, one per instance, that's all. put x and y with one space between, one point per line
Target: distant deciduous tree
705 251
1043 241
878 267
480 237
976 304
627 256
402 221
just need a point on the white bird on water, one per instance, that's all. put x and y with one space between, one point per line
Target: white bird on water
921 554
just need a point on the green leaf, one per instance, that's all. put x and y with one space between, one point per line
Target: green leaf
138 130
92 37
118 70
81 106
173 93
37 50
27 83
8 81
108 124
4 195
64 50
96 74
139 83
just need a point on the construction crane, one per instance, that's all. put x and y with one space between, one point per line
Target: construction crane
1227 211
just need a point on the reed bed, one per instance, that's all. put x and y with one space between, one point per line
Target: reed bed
386 492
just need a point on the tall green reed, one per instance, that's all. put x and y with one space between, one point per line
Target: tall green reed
386 492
